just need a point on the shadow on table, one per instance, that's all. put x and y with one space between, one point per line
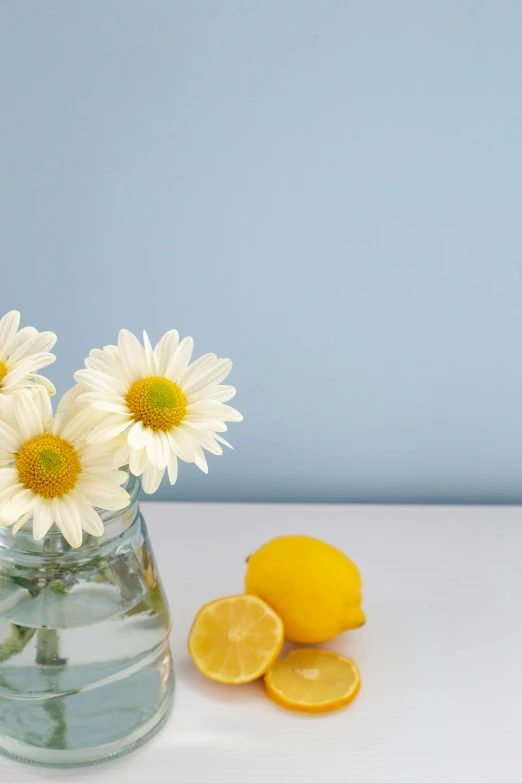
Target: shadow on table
247 692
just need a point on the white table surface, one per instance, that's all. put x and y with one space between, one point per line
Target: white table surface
440 655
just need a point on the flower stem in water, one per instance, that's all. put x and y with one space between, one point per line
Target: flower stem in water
48 648
47 641
19 639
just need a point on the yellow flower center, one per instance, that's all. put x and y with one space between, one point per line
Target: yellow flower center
3 372
157 402
48 465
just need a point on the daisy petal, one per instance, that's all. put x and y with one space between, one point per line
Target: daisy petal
138 461
217 372
203 438
137 436
26 366
222 440
67 408
122 451
152 479
102 493
41 342
173 468
180 360
10 439
66 515
110 407
9 492
22 503
211 446
215 410
8 478
45 383
8 327
158 449
21 522
92 398
80 425
21 337
165 350
197 368
200 459
181 444
218 393
91 522
89 518
107 362
150 362
110 427
101 382
6 409
165 457
40 397
42 518
116 477
202 423
112 350
96 457
132 355
26 414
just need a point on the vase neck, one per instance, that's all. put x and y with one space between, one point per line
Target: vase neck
117 524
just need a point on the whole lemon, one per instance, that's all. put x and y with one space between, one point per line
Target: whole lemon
314 587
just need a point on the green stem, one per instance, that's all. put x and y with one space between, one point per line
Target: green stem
47 641
19 639
114 576
56 711
48 648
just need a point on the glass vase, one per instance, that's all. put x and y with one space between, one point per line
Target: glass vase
85 664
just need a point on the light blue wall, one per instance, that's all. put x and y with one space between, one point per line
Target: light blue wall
327 192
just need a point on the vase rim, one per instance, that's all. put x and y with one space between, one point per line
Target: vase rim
24 542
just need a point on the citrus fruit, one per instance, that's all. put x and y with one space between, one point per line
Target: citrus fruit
314 681
314 587
235 639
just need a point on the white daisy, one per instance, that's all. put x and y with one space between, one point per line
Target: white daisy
50 473
158 406
22 353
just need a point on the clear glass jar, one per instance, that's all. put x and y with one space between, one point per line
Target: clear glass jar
85 665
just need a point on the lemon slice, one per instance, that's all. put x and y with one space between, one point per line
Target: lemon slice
235 639
315 681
